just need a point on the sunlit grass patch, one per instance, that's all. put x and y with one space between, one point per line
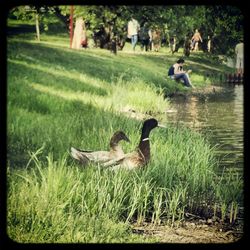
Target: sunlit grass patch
138 96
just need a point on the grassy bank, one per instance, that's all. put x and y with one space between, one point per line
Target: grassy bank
59 98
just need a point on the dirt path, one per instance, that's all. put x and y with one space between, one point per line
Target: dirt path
190 232
210 90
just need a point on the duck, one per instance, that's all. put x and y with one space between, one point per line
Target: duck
85 156
141 155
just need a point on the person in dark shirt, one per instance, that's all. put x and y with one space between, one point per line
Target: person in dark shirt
144 36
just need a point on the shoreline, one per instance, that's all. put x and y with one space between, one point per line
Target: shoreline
203 91
193 231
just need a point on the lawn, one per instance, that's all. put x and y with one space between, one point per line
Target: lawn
58 98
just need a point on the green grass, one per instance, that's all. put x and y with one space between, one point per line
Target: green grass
56 201
59 98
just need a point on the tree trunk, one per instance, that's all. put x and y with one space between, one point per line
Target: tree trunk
37 27
71 25
80 34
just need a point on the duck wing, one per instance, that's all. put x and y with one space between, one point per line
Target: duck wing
129 161
85 156
114 161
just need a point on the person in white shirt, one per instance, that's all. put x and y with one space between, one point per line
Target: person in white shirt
176 72
239 51
133 29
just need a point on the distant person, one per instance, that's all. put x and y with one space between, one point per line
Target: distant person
121 38
209 44
113 44
156 40
172 44
144 37
239 51
133 29
195 40
150 38
186 46
176 72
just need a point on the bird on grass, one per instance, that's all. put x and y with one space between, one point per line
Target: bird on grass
85 157
141 155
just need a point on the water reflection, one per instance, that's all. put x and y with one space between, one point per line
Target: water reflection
220 117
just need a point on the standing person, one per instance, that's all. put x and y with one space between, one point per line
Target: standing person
172 44
186 46
150 38
195 40
239 51
156 39
144 37
209 44
133 29
176 72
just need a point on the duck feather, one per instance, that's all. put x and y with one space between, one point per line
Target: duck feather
87 156
141 155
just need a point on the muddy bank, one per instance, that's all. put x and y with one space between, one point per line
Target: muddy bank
191 232
204 91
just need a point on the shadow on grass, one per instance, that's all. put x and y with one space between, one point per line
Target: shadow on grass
16 29
50 76
103 67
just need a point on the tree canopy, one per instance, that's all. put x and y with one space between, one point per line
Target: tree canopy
223 23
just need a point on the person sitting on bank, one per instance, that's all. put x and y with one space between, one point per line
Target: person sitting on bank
176 72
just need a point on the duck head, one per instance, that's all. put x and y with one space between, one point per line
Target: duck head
148 125
144 146
117 137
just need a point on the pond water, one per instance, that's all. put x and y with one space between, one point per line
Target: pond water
219 117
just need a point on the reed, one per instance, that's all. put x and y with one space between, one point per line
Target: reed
62 199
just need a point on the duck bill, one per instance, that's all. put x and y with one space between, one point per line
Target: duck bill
161 126
126 139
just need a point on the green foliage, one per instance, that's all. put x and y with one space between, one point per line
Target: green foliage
28 13
24 13
223 23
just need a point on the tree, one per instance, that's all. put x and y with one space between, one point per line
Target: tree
28 13
226 26
40 15
223 23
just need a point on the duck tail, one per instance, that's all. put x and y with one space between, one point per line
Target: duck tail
79 156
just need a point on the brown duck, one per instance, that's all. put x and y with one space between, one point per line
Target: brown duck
141 155
85 157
